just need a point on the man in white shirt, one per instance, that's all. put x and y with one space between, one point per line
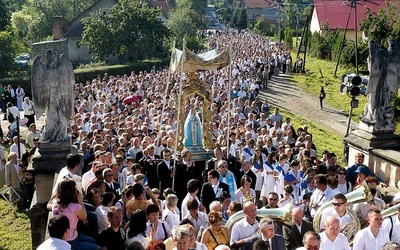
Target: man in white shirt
73 165
321 195
59 232
102 210
391 226
331 238
371 237
193 187
32 134
246 227
339 211
195 216
14 147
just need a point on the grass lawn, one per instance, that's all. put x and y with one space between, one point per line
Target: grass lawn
312 80
15 228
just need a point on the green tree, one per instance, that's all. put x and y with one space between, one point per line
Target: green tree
42 12
7 53
242 19
382 25
129 26
184 21
4 15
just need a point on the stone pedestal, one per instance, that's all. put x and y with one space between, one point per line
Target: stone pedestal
48 160
380 151
366 140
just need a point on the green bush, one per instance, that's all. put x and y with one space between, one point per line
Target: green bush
87 74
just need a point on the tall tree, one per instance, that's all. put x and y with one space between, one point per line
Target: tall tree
7 53
4 15
382 25
128 26
185 20
42 12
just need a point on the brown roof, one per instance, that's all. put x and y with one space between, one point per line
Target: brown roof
165 8
255 4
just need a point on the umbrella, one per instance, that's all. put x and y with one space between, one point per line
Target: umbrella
132 98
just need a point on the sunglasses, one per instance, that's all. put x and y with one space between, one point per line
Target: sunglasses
272 199
341 173
223 166
338 204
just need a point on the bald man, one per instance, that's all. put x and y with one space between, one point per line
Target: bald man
331 238
246 227
294 234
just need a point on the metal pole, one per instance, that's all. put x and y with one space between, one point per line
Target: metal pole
350 114
19 138
355 29
229 102
343 40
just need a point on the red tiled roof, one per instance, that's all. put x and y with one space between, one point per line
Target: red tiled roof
335 12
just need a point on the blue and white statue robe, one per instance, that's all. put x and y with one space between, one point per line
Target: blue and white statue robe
229 179
193 131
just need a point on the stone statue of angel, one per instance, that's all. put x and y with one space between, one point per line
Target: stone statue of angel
53 93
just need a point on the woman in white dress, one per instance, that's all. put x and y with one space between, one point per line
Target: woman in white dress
245 193
257 161
169 214
270 175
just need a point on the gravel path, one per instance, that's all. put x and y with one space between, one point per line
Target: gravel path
283 93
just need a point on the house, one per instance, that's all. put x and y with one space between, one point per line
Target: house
67 39
271 10
335 14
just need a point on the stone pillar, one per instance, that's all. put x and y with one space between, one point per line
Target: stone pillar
47 161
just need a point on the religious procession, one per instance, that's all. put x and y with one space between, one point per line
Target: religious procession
190 157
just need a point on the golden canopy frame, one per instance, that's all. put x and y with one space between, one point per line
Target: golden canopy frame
193 86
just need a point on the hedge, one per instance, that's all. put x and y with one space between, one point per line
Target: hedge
87 74
83 75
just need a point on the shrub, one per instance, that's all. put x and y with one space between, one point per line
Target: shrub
87 74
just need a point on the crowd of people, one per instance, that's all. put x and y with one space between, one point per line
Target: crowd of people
136 195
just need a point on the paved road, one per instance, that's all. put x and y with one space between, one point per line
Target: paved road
283 93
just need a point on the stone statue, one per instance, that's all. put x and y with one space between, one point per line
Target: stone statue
384 80
53 92
193 131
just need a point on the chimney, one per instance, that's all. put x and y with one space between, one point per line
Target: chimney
58 32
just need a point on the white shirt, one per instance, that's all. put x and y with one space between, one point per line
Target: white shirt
184 210
387 226
331 211
320 198
171 218
102 222
86 178
242 230
365 240
14 148
63 173
160 233
54 244
340 242
202 218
